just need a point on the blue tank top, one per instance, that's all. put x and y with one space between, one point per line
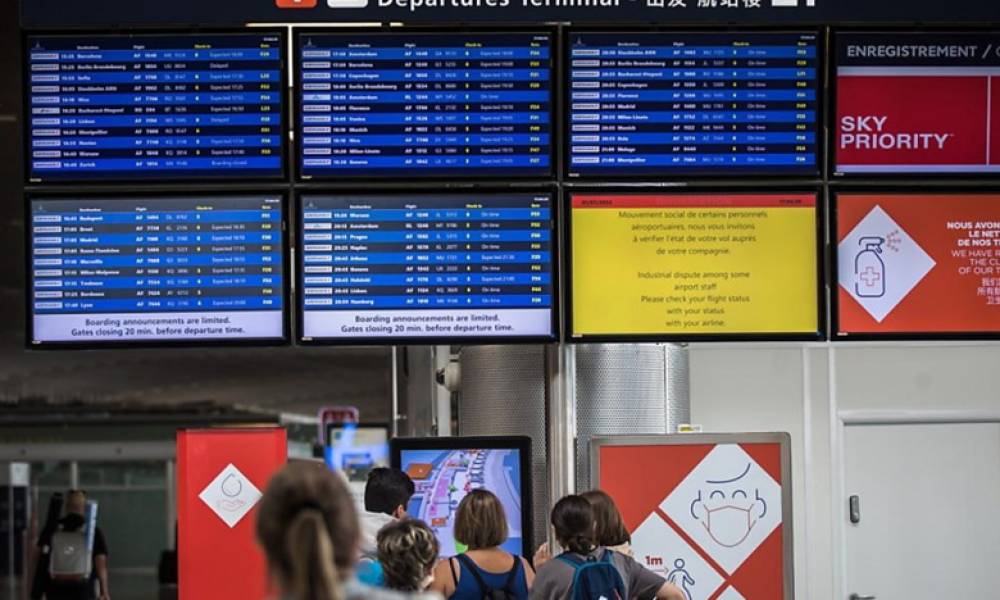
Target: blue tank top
468 589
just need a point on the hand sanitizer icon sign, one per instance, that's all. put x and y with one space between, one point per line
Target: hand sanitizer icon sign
869 269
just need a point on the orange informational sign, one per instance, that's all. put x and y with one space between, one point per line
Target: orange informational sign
221 477
710 513
918 264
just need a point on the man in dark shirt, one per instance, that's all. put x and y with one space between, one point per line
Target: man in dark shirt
84 589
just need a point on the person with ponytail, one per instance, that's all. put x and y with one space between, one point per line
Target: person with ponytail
308 528
588 569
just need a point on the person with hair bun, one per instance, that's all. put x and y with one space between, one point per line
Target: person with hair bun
308 528
615 574
407 551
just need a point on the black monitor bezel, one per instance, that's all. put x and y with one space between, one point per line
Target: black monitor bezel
430 178
554 335
65 194
660 174
838 337
521 443
884 178
165 179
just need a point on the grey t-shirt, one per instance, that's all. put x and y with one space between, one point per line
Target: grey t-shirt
554 580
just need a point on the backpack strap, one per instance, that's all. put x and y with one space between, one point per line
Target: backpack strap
471 567
454 576
572 559
508 585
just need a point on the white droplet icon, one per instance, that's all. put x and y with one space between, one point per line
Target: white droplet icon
232 486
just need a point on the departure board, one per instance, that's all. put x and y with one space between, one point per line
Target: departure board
671 103
425 104
157 269
115 107
379 267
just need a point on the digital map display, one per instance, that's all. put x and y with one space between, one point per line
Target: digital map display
444 477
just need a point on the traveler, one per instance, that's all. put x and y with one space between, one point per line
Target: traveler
485 571
610 529
387 493
78 566
588 571
407 551
308 527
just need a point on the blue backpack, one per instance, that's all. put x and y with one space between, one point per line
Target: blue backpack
595 579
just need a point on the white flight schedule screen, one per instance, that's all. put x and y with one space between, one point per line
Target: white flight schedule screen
427 266
191 268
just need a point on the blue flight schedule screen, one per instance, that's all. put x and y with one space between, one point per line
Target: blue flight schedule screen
183 268
427 266
118 107
425 104
693 104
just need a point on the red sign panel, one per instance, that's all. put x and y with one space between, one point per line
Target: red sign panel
899 123
709 517
917 102
221 475
918 263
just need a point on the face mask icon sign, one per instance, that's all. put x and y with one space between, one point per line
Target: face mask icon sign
727 511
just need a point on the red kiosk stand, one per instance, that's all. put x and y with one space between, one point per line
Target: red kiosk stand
221 475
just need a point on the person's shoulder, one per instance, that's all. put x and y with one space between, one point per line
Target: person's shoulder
554 568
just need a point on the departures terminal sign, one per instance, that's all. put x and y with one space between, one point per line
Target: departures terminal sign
202 13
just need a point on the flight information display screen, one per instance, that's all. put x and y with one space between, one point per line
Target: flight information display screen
180 268
427 266
425 104
671 103
149 106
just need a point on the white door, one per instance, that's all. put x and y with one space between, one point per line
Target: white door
929 506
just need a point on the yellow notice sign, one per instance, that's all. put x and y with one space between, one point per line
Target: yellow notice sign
694 264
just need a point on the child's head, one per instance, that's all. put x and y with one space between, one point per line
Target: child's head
407 550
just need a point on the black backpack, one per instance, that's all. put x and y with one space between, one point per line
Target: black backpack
504 593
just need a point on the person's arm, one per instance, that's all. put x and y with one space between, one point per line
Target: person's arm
529 573
542 556
669 591
643 583
101 565
444 582
101 562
